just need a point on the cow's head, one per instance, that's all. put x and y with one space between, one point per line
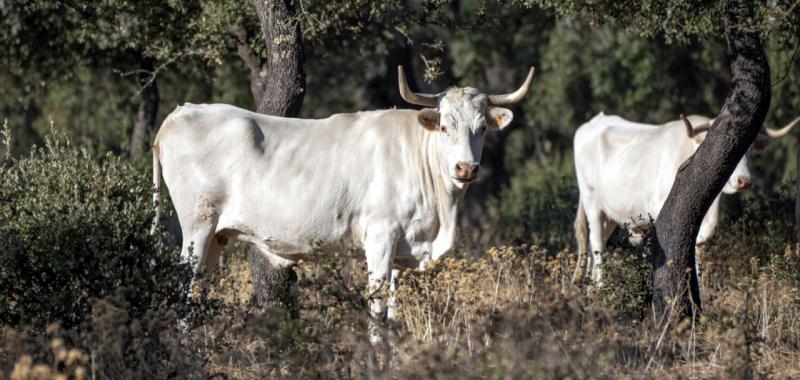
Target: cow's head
460 119
741 179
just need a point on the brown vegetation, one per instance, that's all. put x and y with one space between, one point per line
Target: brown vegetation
511 313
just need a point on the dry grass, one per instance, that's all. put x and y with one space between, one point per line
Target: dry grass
511 313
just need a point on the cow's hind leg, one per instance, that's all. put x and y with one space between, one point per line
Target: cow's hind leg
582 237
197 244
200 246
597 234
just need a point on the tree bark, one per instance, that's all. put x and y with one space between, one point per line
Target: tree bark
797 193
271 285
704 174
285 83
148 109
383 91
278 85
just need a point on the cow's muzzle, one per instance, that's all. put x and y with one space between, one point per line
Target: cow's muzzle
467 172
743 183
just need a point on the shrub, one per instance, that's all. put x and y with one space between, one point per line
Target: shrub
539 206
752 226
109 344
73 229
627 287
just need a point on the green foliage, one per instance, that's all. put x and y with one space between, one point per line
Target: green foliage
678 20
627 284
539 206
52 36
753 226
75 229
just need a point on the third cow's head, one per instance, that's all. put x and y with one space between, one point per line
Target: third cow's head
460 118
741 180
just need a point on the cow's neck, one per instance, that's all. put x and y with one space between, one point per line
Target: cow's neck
445 195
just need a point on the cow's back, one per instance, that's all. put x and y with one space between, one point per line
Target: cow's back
290 182
626 169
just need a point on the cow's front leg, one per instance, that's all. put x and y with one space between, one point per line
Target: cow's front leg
379 249
391 307
707 227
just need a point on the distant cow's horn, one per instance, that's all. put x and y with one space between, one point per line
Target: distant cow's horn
425 100
514 97
694 131
778 133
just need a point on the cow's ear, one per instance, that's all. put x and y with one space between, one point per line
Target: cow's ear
761 143
428 118
498 117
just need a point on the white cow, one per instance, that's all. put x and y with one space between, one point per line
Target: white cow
625 171
388 181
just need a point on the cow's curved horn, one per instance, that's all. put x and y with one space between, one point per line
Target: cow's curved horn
425 100
694 131
778 133
513 97
688 125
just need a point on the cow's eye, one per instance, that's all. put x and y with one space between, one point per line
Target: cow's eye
443 129
482 130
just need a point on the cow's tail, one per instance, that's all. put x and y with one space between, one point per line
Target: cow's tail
582 235
156 188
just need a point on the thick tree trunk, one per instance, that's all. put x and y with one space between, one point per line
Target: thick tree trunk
702 177
271 285
383 90
278 86
797 193
148 109
286 80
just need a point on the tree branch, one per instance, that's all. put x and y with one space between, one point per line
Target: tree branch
244 51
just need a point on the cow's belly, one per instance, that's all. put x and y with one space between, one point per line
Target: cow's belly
307 224
630 211
288 229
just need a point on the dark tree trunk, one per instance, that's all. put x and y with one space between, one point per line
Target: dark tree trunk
278 85
271 285
285 83
383 90
797 193
703 175
148 109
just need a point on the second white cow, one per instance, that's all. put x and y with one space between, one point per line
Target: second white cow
625 171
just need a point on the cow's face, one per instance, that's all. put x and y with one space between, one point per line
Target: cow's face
460 124
740 180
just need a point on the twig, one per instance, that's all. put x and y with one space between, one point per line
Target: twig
153 74
791 63
558 340
666 321
6 132
664 25
253 61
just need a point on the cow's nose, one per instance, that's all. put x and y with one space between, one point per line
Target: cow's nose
467 171
743 183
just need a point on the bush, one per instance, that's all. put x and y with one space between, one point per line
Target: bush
74 229
539 206
753 226
627 287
